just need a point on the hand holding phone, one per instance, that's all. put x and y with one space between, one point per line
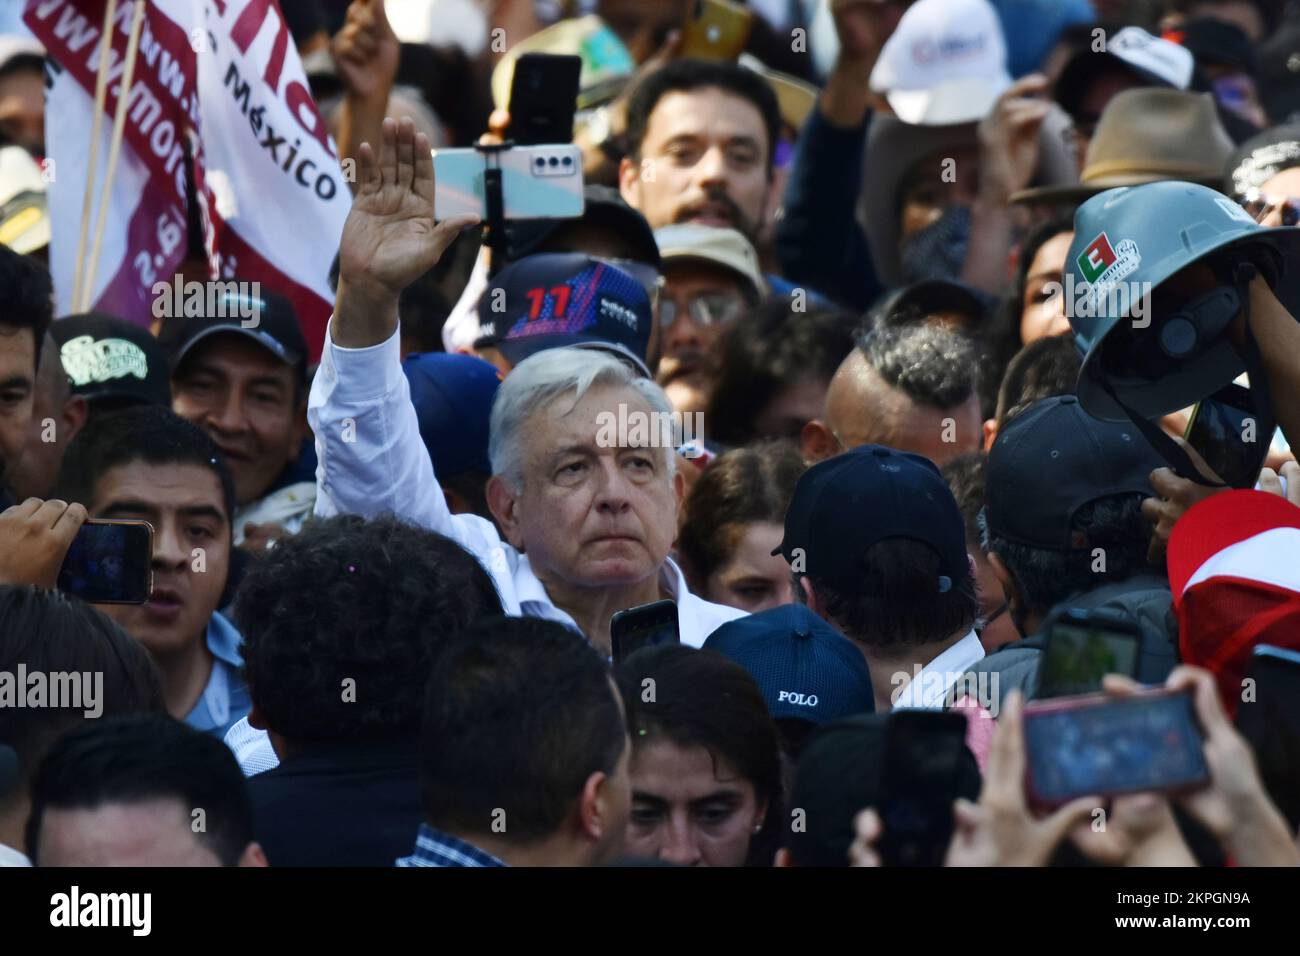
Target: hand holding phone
1222 429
647 625
1103 745
1083 646
716 30
110 562
34 537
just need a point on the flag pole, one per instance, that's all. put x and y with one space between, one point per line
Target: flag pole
114 149
101 93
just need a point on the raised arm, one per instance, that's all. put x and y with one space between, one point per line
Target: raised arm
371 457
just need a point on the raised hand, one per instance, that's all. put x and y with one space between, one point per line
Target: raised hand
366 51
391 236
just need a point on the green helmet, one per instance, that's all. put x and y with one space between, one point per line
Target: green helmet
1126 243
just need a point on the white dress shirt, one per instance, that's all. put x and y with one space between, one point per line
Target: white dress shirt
928 688
371 461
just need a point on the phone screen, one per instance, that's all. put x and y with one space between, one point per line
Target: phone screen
648 625
1270 721
1218 431
1077 656
109 562
923 751
1113 745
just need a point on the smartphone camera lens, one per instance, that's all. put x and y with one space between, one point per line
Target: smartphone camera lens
539 162
568 160
554 161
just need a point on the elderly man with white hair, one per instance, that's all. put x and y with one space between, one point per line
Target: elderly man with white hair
588 516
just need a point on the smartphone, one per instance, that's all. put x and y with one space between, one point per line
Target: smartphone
716 30
920 773
1081 648
647 625
1103 745
537 182
1271 723
1218 429
109 562
543 97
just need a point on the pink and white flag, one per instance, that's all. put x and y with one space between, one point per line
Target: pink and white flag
218 92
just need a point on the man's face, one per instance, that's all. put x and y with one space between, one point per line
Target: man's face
699 301
927 194
864 409
153 832
754 579
690 807
22 109
57 416
592 513
244 397
186 508
17 393
704 159
642 25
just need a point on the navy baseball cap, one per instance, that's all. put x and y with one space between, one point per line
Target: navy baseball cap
453 396
272 324
554 299
112 361
1053 458
803 666
844 505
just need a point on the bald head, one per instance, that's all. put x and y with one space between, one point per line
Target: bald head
911 389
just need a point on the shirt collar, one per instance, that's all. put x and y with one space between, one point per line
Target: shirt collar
223 640
929 686
435 848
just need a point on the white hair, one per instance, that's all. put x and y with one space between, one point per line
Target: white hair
546 376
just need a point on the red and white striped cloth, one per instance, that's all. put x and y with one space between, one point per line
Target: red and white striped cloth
1234 568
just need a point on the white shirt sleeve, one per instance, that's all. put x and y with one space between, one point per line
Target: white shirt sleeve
371 459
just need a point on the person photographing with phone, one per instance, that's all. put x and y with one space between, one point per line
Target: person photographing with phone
586 519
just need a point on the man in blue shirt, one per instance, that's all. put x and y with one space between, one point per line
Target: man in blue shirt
147 463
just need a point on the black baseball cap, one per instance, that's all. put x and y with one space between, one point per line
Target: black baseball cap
604 208
844 505
805 668
268 318
112 361
839 774
1053 458
557 299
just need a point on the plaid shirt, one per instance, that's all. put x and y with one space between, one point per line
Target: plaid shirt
435 848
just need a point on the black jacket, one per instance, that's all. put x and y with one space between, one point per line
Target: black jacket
354 804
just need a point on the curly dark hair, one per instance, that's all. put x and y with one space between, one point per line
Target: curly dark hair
744 486
348 599
933 365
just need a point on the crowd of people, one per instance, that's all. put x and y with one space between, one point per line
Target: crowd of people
885 351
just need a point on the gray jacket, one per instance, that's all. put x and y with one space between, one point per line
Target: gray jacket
1143 598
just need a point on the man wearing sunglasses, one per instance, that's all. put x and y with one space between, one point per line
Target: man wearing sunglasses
711 278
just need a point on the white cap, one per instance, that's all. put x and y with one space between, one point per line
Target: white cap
1158 58
24 215
946 63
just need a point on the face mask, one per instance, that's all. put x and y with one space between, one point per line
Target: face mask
939 250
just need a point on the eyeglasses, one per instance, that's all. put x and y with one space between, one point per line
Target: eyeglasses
705 308
1260 205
